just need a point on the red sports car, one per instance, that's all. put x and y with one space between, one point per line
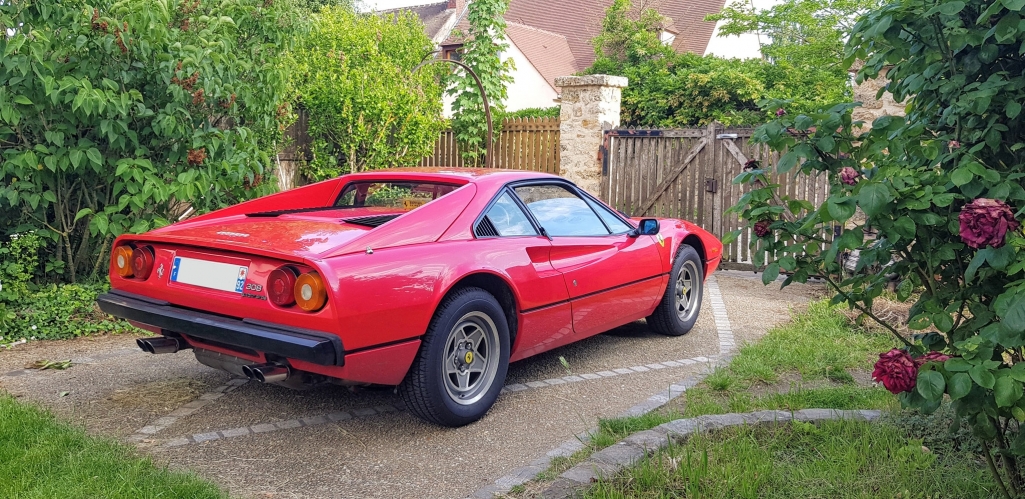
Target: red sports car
429 279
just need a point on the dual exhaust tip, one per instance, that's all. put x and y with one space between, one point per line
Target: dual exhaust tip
267 373
264 373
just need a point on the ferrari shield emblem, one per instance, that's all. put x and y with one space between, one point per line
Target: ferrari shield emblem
661 240
468 358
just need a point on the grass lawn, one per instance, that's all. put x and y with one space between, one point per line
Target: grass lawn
41 457
817 360
834 459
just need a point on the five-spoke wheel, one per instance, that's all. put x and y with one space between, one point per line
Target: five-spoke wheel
462 362
678 311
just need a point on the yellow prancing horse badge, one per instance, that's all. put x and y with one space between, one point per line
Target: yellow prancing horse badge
468 357
661 240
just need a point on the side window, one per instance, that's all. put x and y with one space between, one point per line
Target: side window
561 212
506 219
616 225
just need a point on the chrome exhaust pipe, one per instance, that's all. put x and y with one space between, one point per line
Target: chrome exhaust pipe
267 373
164 344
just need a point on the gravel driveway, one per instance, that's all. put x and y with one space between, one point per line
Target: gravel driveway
270 442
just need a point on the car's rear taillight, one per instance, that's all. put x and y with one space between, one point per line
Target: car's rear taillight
142 262
121 261
310 293
281 286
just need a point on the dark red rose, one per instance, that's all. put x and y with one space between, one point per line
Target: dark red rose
896 370
849 175
932 356
762 228
986 222
780 112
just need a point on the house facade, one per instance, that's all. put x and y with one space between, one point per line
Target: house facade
548 39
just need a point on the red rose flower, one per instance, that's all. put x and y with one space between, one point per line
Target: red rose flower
986 222
849 175
896 370
762 228
780 112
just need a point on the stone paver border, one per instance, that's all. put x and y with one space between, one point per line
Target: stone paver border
626 452
727 345
158 425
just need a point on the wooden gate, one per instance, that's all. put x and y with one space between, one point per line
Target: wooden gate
688 174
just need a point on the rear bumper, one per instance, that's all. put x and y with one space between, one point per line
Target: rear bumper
307 345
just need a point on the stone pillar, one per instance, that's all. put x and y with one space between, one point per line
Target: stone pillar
590 105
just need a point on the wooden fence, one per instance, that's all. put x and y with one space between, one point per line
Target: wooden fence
688 173
522 144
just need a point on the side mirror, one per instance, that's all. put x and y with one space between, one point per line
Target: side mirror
647 227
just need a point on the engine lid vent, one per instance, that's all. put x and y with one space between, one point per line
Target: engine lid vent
371 221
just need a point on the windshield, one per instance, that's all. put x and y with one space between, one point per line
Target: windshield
391 194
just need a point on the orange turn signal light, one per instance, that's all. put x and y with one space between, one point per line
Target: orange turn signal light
121 261
310 293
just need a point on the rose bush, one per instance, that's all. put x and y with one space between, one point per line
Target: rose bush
941 195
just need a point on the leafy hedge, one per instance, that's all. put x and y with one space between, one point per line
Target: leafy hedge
119 116
668 89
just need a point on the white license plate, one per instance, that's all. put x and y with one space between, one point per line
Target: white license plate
206 274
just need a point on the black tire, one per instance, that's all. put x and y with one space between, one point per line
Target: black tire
675 316
446 360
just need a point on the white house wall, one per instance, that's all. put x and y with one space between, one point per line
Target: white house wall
528 89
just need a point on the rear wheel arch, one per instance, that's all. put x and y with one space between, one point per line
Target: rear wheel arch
498 287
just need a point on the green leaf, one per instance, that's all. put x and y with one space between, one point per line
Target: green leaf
961 176
905 227
931 385
959 386
1007 391
841 210
957 364
873 198
977 261
982 376
1014 317
94 156
951 8
83 212
770 273
787 162
1013 5
21 99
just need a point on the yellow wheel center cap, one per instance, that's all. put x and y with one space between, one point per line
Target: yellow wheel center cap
468 358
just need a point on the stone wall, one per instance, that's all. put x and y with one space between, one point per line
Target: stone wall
872 107
590 105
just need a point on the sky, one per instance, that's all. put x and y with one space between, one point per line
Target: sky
745 46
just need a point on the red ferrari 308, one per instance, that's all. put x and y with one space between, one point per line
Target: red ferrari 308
431 280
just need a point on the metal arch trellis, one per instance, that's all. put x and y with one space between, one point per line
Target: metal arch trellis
488 146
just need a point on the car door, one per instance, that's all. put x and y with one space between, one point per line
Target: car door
612 276
514 243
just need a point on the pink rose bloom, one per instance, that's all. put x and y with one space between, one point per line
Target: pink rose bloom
932 356
896 370
986 222
955 144
849 175
780 112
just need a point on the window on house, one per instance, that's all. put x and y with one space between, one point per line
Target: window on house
453 53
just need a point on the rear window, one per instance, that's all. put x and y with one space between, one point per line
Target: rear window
391 194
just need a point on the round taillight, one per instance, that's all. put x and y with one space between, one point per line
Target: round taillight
121 261
142 262
310 294
281 286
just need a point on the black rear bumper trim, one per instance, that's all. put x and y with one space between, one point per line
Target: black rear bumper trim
296 343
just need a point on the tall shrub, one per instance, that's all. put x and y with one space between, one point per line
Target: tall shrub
120 116
942 187
367 110
482 52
